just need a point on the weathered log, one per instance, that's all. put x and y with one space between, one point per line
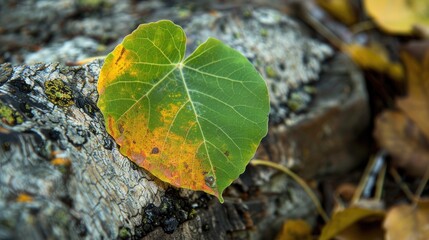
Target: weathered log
62 176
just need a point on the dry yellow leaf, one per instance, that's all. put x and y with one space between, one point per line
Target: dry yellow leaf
407 222
340 9
295 230
354 223
399 16
374 57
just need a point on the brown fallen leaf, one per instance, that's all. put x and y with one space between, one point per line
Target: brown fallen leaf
399 136
353 224
295 230
404 222
405 133
340 9
416 104
399 16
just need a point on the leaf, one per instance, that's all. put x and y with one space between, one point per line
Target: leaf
404 141
295 229
399 16
408 222
341 9
355 223
194 123
416 104
374 57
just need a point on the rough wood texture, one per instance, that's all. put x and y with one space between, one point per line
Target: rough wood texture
62 176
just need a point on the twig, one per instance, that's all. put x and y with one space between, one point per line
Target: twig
367 180
401 184
421 186
297 179
380 183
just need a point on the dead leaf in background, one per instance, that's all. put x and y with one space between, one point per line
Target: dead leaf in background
416 104
399 16
374 57
353 224
399 136
295 230
340 9
404 222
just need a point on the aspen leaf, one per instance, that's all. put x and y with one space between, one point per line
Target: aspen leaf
399 16
193 122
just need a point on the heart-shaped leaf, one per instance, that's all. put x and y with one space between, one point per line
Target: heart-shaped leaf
194 123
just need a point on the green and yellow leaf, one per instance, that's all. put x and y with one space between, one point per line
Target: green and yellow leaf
193 122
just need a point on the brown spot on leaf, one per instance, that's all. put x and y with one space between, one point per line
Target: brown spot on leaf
155 150
138 158
121 128
120 55
226 153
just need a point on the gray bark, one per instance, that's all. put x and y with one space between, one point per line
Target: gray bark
62 176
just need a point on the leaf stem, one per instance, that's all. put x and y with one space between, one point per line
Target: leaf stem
421 186
403 186
297 179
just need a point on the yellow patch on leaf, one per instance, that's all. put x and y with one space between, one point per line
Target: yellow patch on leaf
116 65
169 156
